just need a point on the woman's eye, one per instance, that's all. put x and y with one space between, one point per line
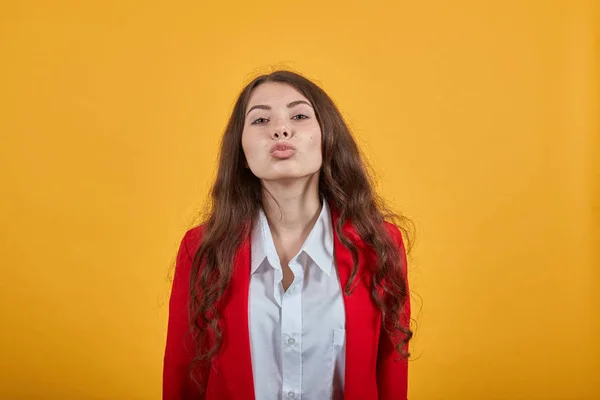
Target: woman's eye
259 121
300 116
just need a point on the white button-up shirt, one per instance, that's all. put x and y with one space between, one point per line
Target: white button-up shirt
297 337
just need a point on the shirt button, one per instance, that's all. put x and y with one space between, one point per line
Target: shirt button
291 342
291 395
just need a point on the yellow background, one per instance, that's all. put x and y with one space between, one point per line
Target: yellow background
478 116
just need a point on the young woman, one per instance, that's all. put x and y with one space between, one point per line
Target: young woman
295 286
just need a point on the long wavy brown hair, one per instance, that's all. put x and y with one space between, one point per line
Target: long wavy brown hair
344 182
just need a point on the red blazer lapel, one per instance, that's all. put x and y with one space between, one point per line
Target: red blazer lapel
362 318
234 361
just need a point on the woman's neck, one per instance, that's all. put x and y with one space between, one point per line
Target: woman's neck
292 207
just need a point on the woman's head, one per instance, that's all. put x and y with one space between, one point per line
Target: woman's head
281 138
286 108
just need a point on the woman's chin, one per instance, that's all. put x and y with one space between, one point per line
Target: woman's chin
286 176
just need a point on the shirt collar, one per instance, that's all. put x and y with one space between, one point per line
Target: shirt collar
318 245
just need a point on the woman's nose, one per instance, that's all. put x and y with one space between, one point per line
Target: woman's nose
281 131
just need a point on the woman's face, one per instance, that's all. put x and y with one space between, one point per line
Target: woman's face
281 137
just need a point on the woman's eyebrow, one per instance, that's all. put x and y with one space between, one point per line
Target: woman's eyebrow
295 103
290 105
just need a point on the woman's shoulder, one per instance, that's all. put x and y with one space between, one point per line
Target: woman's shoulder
394 231
193 237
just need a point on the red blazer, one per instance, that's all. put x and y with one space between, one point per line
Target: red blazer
373 368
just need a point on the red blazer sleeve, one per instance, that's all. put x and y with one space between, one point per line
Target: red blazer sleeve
180 348
392 371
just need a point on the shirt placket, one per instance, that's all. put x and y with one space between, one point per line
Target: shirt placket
291 335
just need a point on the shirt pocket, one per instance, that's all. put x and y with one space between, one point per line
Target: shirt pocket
337 362
339 338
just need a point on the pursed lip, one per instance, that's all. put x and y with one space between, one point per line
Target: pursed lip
282 147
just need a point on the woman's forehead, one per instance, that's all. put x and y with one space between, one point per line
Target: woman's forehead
272 93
